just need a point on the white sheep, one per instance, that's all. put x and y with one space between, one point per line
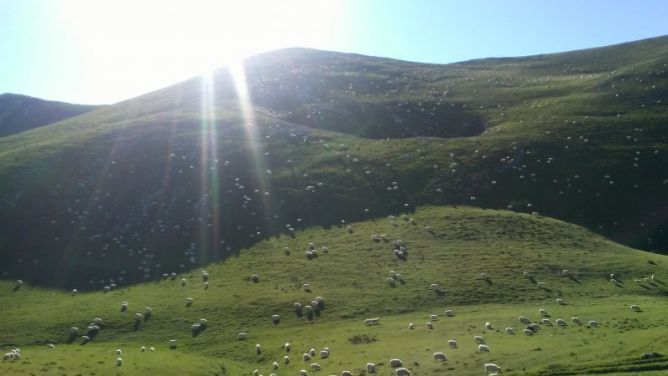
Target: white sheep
172 344
119 362
483 348
488 325
593 324
527 332
561 301
324 354
449 313
576 320
274 365
286 346
395 362
510 330
311 351
635 308
371 367
439 356
286 359
275 319
151 349
242 335
306 357
429 325
479 339
524 320
560 322
346 373
452 343
546 322
303 372
189 302
142 349
258 349
119 352
433 317
314 367
372 321
543 312
402 372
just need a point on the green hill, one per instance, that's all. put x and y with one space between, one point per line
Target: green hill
193 173
445 245
19 113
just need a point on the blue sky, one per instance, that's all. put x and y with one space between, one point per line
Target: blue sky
89 51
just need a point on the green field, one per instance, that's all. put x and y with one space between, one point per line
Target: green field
461 243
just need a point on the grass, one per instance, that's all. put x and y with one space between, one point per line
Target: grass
351 277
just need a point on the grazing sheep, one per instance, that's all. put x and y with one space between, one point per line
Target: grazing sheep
255 278
429 325
307 287
275 319
189 302
148 312
303 372
372 321
306 357
491 367
298 309
564 272
324 354
85 340
483 348
635 308
483 276
593 324
395 362
543 312
286 346
258 349
510 330
314 367
183 282
242 336
479 339
452 344
527 332
576 320
19 283
561 301
151 349
286 359
434 286
402 372
311 351
560 322
274 365
371 367
74 292
51 346
172 344
524 320
256 372
533 327
142 349
119 352
206 285
433 317
346 373
119 362
488 325
411 326
450 313
439 356
546 322
205 276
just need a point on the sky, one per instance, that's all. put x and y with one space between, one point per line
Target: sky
95 51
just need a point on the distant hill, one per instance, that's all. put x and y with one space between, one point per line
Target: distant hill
19 113
194 172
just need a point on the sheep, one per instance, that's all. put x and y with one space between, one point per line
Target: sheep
74 292
488 325
564 272
510 330
411 326
593 324
524 320
543 312
254 278
172 344
151 349
183 282
372 321
85 340
433 317
205 276
395 362
402 372
119 362
306 357
546 322
346 373
533 327
311 351
256 372
274 365
196 329
371 367
527 332
286 346
479 339
286 359
138 317
51 346
560 322
119 352
148 312
142 349
189 302
303 372
206 285
241 336
483 276
275 319
439 356
635 308
258 349
449 313
314 367
324 354
434 286
491 367
452 343
298 309
19 283
390 282
307 287
561 301
429 325
576 320
483 348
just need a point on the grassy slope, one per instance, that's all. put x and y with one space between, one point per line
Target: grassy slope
19 113
567 134
351 278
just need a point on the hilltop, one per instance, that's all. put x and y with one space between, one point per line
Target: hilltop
195 172
447 246
19 113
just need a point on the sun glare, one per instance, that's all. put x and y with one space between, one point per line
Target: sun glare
142 45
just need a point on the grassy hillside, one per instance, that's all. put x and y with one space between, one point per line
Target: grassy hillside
19 113
191 174
461 243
